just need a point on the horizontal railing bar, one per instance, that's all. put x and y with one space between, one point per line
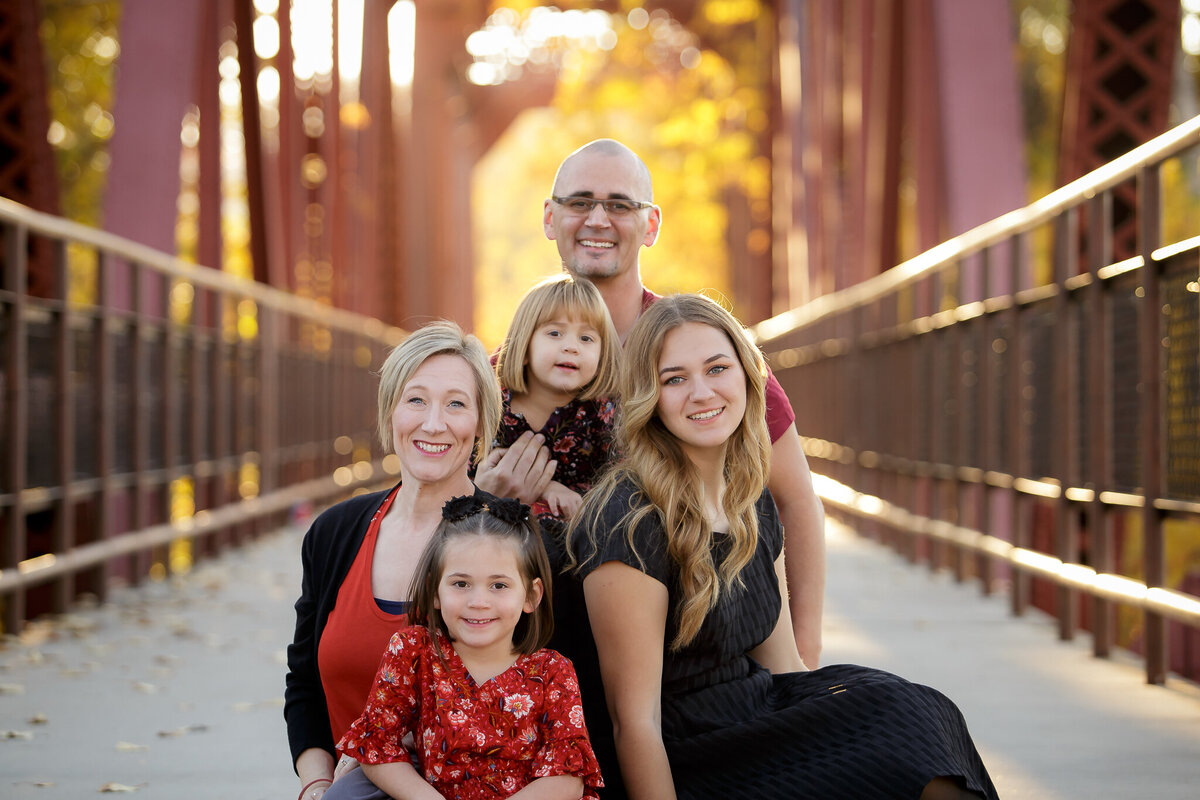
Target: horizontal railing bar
1118 588
821 450
63 229
989 233
41 569
36 498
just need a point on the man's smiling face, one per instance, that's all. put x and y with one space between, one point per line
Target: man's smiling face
596 245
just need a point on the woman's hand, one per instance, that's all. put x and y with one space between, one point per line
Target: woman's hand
315 768
315 790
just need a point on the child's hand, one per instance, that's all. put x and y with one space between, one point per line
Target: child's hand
562 501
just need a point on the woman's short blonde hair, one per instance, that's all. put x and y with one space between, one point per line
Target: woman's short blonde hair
440 338
547 300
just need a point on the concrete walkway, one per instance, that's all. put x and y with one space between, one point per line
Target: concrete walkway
174 691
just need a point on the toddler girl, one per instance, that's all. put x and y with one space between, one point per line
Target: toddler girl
490 711
558 368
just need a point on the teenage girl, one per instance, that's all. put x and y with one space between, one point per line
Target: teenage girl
492 713
679 549
558 367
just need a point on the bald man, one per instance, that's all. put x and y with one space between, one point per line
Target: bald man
600 215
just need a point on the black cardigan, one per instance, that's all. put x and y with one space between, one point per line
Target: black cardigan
328 550
326 554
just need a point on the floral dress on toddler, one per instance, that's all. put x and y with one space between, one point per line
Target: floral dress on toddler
578 434
474 741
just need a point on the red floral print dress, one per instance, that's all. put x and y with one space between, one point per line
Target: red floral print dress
474 742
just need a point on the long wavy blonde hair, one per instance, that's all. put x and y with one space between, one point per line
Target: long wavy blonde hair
668 485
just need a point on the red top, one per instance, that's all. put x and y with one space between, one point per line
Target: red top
779 409
474 742
355 635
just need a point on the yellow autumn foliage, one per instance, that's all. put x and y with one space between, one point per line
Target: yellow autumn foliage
693 127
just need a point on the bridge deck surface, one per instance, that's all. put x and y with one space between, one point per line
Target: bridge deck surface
174 690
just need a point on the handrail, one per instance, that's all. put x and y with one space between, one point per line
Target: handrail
989 233
217 280
1018 430
135 441
1176 605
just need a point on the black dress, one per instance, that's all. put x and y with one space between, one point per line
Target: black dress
733 730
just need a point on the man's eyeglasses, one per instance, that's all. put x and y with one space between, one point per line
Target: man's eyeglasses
582 206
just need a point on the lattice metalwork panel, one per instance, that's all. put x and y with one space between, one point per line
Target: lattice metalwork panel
970 360
945 413
123 398
26 162
926 412
184 407
1038 372
1124 432
84 380
44 435
204 402
873 433
5 445
1082 403
152 402
1000 355
1118 92
1182 394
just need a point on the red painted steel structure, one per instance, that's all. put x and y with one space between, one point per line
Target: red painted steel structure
882 103
27 172
934 483
138 402
855 81
1118 94
1118 90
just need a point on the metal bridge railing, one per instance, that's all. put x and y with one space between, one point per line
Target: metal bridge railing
154 412
1022 403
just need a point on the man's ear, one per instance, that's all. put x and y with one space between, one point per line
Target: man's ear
548 219
654 224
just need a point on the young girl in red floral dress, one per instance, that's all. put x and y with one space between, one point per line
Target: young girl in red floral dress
557 368
490 712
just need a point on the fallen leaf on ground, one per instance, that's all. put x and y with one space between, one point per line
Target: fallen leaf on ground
145 688
11 688
38 632
73 672
183 731
274 702
38 719
119 787
78 626
16 734
130 747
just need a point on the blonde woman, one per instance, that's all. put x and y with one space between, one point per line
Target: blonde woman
439 403
680 553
